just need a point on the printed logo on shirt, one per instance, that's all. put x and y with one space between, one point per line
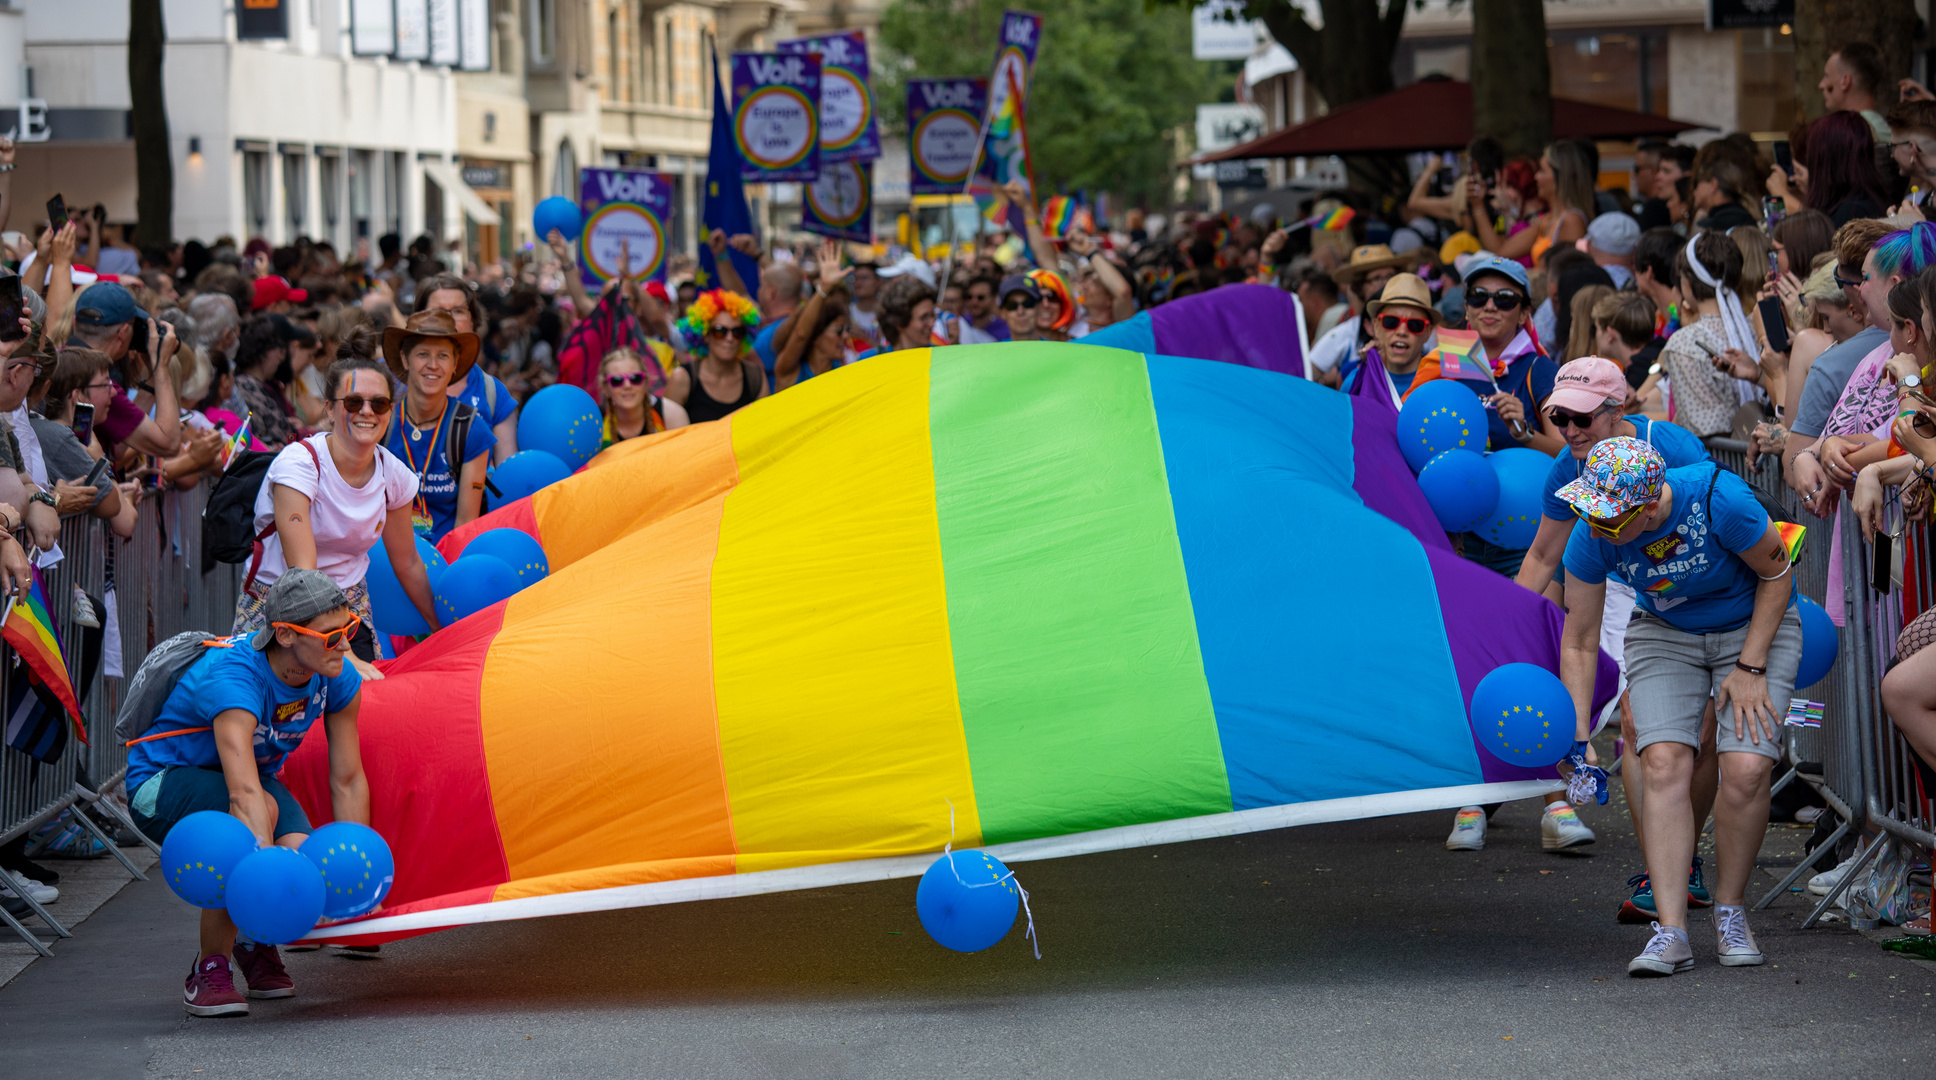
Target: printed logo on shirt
1665 548
288 710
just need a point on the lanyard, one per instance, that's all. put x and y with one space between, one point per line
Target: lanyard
430 455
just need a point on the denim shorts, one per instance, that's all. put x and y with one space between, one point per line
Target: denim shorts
183 789
1671 674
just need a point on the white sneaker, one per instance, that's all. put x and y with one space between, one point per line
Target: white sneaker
1668 952
1560 827
40 894
1468 830
1821 884
1735 943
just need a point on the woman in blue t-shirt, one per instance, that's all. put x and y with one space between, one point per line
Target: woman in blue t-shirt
1715 592
425 354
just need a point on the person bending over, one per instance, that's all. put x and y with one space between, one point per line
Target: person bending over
219 740
1716 595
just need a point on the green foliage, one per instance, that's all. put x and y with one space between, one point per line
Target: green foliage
1113 80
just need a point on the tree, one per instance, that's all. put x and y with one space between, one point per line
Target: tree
1512 80
154 168
1823 26
1113 82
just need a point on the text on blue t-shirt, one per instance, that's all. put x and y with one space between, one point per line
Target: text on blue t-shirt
436 480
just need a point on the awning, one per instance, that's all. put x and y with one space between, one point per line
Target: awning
1432 114
454 187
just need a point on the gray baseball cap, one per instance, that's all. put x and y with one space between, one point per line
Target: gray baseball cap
297 597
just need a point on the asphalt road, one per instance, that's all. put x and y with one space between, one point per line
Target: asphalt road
1356 950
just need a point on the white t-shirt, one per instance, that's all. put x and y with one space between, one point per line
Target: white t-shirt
1336 346
347 521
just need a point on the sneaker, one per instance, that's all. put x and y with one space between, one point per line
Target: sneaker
1468 830
262 969
38 893
1638 908
1823 883
210 989
1561 828
1697 894
1665 954
1735 943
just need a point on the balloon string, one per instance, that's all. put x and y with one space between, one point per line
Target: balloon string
948 850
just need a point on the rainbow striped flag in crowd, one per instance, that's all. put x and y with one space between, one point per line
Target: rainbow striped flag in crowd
1335 221
1792 536
1804 713
30 629
1455 352
1058 215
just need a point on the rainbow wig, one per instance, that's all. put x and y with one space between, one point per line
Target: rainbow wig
699 317
1907 251
1053 284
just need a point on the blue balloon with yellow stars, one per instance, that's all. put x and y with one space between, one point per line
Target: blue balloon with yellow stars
1523 714
1438 416
563 421
519 550
967 901
1515 519
356 865
200 852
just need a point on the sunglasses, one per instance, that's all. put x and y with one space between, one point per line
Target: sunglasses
635 378
1610 532
1846 283
1564 418
728 331
1023 304
1413 325
1500 299
353 404
338 638
1923 425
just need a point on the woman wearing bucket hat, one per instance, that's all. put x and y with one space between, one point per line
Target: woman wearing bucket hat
425 354
1715 594
1361 279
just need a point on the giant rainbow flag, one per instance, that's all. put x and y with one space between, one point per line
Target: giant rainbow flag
1046 598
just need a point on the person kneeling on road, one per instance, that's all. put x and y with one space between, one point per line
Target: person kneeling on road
224 732
1716 618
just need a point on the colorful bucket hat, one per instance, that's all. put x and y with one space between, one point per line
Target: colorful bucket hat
1620 474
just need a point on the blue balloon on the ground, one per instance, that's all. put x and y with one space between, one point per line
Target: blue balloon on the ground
1523 714
473 583
1438 416
525 473
1461 487
563 421
558 213
969 906
199 855
390 606
1522 475
356 865
1820 642
519 550
275 896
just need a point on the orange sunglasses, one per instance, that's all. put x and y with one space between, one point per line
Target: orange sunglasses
338 638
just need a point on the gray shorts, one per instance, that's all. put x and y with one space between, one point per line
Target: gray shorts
1671 674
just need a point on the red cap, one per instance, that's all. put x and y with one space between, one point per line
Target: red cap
657 291
274 290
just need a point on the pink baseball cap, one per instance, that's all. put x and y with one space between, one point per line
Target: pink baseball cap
1586 384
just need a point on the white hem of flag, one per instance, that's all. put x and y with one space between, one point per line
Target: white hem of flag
723 886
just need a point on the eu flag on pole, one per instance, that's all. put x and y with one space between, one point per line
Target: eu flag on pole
725 205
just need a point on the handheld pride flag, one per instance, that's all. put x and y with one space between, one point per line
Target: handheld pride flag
29 627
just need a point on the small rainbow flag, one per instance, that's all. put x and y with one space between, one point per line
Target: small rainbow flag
1455 354
1058 214
1792 536
30 629
1335 221
1804 713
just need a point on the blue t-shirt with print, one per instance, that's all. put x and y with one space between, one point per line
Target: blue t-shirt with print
1676 444
763 347
491 398
1686 572
237 677
436 481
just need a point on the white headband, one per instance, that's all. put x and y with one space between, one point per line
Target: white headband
1733 318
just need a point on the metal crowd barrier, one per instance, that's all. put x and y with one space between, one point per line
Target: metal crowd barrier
151 587
1868 776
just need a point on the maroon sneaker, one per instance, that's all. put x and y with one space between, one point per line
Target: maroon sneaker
210 989
262 969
